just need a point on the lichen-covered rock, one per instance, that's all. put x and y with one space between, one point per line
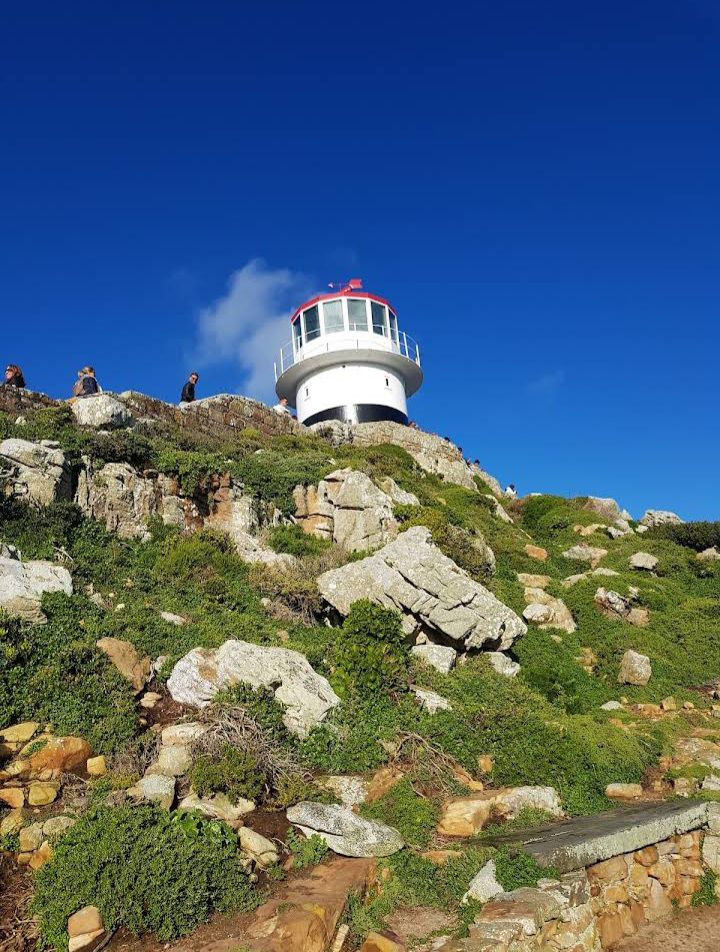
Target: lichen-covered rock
430 701
503 664
585 553
440 657
259 848
643 562
157 788
635 668
348 508
344 831
605 507
101 412
484 885
36 472
546 611
709 555
433 594
125 500
306 696
23 584
659 517
615 605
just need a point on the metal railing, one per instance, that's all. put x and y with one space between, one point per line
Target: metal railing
405 346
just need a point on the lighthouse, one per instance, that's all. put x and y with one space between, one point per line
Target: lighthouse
348 359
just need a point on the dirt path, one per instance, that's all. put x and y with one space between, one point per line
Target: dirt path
692 930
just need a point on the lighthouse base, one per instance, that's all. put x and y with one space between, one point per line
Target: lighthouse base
358 413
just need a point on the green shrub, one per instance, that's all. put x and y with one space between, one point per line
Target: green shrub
370 657
414 816
144 869
515 868
295 541
306 850
694 535
234 772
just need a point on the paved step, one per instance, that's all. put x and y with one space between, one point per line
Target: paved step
583 841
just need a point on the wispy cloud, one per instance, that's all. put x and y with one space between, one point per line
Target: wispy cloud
249 323
547 384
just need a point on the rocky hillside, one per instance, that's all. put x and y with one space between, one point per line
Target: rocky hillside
233 650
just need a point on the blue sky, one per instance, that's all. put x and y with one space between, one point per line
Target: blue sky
534 186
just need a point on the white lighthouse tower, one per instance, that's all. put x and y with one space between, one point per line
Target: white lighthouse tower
348 360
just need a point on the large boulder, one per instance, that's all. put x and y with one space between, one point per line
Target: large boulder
635 668
306 695
36 472
344 831
615 605
433 594
101 412
605 507
23 584
643 562
348 508
659 517
585 553
546 611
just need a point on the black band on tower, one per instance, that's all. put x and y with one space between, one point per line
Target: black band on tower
358 413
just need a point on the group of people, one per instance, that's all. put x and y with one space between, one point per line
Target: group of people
87 385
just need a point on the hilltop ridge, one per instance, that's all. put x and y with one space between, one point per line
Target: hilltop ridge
241 643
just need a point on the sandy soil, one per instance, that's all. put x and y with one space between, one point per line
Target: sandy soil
692 930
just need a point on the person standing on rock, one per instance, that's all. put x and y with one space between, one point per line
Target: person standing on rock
188 391
282 408
86 385
14 376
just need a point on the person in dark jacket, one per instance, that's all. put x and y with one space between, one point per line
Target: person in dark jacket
188 391
14 376
86 385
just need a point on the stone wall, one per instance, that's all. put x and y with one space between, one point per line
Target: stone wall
16 401
595 906
223 415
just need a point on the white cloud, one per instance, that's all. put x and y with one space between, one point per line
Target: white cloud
547 384
249 324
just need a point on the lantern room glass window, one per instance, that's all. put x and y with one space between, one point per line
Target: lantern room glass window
393 326
312 323
357 314
297 334
333 316
378 318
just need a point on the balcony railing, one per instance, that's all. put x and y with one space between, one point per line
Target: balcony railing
405 346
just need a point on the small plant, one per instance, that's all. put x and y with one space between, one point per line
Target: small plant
370 657
235 773
293 540
515 868
706 894
9 843
414 816
306 851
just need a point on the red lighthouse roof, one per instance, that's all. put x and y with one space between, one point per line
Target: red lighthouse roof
351 289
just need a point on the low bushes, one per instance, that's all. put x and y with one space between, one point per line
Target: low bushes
694 535
143 868
370 657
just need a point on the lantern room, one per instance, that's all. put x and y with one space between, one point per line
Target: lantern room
348 359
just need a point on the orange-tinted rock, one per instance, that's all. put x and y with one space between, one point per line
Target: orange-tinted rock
685 866
41 856
87 919
663 871
61 753
382 781
610 926
128 662
465 816
609 871
658 904
647 856
382 942
13 797
536 552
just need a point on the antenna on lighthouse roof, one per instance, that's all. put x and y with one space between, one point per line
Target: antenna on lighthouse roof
354 284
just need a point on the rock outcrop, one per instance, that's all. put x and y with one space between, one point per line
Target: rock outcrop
102 411
348 508
36 472
635 668
23 584
344 831
434 596
659 517
615 605
306 696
